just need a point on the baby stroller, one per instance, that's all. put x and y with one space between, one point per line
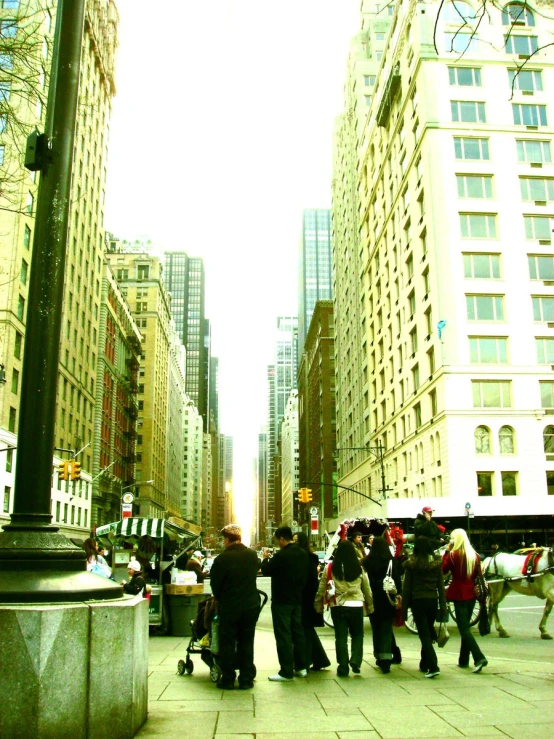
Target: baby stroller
205 638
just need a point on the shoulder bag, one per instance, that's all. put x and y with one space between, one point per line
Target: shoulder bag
443 636
480 585
330 589
389 586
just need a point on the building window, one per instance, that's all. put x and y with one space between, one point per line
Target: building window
506 439
464 76
6 506
537 227
529 115
550 483
417 415
468 111
545 350
541 267
9 460
536 152
2 153
482 440
482 266
11 420
484 483
490 394
415 376
474 186
488 350
30 203
509 483
526 80
8 28
524 45
15 381
27 237
543 308
485 307
478 225
17 345
58 513
21 307
517 14
143 272
24 272
547 394
537 188
548 441
460 43
433 402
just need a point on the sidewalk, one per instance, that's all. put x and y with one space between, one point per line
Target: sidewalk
510 698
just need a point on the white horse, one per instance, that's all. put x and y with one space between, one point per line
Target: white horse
504 572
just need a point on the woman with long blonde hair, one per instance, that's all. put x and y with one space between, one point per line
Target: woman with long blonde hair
464 563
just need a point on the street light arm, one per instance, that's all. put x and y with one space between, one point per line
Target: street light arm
344 487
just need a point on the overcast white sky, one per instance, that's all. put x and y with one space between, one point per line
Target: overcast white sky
221 135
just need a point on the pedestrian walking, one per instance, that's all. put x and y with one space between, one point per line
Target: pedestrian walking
423 592
349 602
464 563
377 564
357 539
425 526
233 581
288 569
316 657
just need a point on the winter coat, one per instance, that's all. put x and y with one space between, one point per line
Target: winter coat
423 582
136 585
310 617
461 586
357 590
288 569
233 578
430 529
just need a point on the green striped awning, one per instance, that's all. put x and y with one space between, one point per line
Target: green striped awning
133 527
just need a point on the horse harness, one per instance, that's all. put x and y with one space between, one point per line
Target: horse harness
530 565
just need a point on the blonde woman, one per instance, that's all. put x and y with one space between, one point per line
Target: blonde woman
464 563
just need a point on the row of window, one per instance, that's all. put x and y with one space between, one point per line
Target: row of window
524 80
487 266
480 187
472 111
484 226
477 149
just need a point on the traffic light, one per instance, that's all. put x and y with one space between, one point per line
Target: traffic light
75 470
63 471
307 495
301 495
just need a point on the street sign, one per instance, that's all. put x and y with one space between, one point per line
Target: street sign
294 524
467 506
313 511
128 498
315 524
126 510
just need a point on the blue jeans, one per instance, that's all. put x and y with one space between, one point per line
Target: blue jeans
463 610
347 620
425 613
289 638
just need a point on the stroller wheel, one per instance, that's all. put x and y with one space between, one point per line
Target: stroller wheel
189 666
215 673
181 667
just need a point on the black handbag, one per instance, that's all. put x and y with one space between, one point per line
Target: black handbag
484 625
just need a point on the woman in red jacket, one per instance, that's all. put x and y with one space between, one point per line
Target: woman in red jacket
463 562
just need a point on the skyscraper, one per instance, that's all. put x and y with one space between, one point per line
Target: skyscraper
184 279
315 281
281 380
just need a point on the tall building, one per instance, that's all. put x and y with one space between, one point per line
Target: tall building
214 392
316 412
184 279
281 380
191 501
289 459
176 400
261 477
456 344
139 276
116 409
315 281
27 42
229 488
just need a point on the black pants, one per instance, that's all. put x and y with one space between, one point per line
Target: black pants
383 637
425 613
236 644
289 638
463 610
316 656
347 620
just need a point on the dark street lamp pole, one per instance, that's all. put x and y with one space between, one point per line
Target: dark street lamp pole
37 563
379 453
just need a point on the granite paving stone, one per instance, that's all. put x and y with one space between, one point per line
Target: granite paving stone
243 721
197 725
493 716
358 735
538 731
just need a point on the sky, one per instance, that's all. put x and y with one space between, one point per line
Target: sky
221 134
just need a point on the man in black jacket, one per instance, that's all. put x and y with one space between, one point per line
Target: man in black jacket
288 570
233 580
425 526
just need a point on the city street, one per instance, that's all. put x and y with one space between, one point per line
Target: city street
512 697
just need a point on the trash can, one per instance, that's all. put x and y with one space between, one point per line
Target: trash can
182 610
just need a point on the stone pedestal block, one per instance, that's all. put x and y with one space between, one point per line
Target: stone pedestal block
74 670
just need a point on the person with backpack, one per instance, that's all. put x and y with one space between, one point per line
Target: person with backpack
423 592
379 564
344 585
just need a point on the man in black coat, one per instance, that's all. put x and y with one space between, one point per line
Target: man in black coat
425 526
233 580
288 570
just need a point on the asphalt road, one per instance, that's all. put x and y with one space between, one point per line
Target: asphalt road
519 614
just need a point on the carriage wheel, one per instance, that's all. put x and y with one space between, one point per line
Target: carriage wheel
181 667
215 673
410 622
189 666
327 620
476 613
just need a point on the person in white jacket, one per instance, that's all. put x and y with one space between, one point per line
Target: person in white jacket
349 597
